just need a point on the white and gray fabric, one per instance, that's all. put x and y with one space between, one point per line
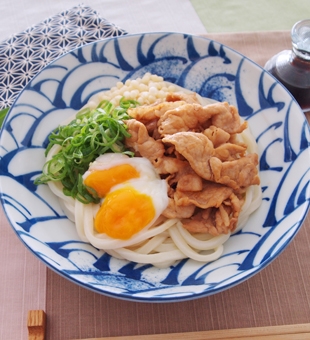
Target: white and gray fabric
24 54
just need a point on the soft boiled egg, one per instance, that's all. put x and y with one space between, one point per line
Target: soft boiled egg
133 195
111 169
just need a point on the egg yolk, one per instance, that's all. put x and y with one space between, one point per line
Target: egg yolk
124 213
103 180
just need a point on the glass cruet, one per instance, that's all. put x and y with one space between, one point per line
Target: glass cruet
292 67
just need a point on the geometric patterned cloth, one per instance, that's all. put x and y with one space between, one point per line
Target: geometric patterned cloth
24 54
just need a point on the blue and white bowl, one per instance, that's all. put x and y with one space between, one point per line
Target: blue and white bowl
204 66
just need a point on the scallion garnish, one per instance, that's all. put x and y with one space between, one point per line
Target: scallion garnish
91 134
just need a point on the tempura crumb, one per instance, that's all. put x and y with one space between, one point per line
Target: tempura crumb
146 90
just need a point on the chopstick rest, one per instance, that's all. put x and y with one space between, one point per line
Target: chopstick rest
36 324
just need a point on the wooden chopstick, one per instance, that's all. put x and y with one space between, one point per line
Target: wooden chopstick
36 323
286 332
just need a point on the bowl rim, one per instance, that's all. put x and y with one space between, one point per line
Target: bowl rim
122 295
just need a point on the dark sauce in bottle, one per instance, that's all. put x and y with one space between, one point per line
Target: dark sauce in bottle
292 68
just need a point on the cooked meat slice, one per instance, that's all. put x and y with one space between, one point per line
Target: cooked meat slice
138 133
196 148
174 211
200 225
217 135
229 151
199 152
146 113
151 127
190 98
187 117
190 182
185 179
215 221
236 174
180 119
228 119
224 224
146 146
169 165
236 203
142 143
212 195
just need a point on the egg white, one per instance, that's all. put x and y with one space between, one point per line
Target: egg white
110 160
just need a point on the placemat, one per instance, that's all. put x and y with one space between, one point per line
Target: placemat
22 283
278 295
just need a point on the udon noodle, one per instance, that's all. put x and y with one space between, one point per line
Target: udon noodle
167 241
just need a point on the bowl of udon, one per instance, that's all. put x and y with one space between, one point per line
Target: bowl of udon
156 167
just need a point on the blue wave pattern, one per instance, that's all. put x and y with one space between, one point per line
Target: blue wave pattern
201 65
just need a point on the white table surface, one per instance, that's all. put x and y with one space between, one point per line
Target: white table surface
135 16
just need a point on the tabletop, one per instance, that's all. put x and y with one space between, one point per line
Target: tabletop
277 295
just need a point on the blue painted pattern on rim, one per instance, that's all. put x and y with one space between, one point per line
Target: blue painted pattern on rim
207 67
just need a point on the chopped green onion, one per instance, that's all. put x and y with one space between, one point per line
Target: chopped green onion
3 114
91 134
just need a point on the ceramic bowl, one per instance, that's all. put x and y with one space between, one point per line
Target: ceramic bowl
196 63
